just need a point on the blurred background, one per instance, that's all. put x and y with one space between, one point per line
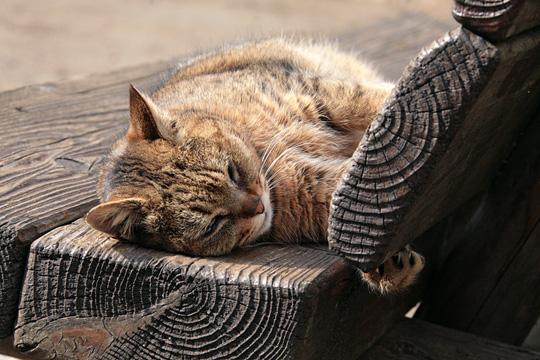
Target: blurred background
42 41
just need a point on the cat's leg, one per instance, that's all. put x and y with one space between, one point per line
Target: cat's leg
396 273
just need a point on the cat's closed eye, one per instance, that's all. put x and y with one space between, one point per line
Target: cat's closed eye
232 171
213 225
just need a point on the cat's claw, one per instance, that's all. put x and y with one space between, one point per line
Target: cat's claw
396 273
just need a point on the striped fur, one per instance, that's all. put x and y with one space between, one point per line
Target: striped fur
288 115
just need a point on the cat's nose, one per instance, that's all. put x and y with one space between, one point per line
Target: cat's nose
260 208
251 205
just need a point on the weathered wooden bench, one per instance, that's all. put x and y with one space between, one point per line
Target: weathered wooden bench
452 163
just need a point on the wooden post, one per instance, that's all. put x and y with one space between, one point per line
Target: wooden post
442 134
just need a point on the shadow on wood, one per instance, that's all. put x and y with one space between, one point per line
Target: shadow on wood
414 339
491 277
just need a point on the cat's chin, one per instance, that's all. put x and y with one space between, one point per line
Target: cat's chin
264 220
264 226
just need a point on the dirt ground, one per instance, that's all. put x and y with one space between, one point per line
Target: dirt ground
44 41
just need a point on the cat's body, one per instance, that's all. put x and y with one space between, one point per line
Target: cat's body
245 144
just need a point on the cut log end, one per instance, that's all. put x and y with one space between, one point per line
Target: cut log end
442 134
402 146
87 296
87 293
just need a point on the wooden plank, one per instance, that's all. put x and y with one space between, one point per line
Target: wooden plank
415 339
492 277
78 279
59 132
56 135
442 134
87 296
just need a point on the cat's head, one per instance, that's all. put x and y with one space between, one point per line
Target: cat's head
201 194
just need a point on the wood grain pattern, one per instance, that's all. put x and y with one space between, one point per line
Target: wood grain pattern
497 19
438 140
499 247
53 140
59 132
415 340
87 296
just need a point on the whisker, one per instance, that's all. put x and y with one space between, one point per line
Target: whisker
285 152
275 178
271 147
273 141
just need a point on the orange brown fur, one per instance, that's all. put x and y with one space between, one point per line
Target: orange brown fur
287 116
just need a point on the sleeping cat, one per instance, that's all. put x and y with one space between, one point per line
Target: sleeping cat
244 145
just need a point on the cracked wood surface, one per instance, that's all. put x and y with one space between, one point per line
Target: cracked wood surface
87 296
53 140
59 132
444 131
415 340
58 135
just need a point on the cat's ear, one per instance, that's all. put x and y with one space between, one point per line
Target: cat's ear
143 114
117 218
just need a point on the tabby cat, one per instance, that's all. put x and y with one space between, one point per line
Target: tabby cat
243 145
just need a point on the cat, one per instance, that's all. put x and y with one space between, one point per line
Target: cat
246 144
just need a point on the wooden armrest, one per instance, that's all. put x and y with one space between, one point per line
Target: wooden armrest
446 128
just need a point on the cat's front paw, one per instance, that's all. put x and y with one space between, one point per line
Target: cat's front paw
396 273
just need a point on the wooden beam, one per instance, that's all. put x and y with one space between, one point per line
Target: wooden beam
414 340
492 277
87 296
442 134
59 133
